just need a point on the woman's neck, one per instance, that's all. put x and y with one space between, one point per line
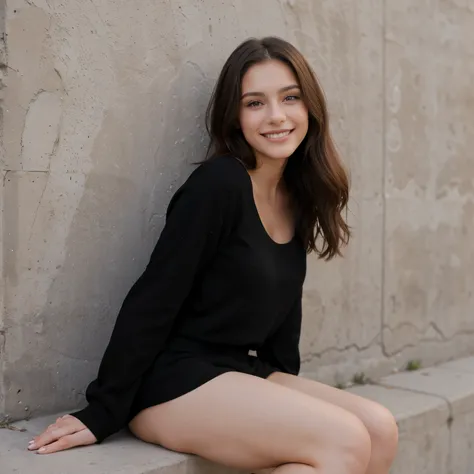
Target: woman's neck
267 177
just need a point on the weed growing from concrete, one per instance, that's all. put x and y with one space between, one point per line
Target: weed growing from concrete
360 379
413 365
6 425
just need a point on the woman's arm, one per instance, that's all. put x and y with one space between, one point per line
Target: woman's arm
197 220
281 349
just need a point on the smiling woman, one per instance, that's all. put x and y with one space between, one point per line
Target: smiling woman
268 104
226 279
276 115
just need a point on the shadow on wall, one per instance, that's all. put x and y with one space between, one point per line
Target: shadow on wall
141 155
121 215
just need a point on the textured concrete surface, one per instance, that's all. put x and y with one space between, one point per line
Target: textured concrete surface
424 433
450 444
429 179
455 386
343 299
102 109
462 444
433 438
122 454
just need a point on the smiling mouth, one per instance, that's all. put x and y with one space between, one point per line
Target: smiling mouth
279 134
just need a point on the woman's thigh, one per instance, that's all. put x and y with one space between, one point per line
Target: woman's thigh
251 423
378 420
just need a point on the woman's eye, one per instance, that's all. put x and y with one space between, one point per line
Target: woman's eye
291 98
254 103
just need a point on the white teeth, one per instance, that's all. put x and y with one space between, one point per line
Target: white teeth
277 135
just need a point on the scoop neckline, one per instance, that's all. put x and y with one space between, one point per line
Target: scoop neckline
257 214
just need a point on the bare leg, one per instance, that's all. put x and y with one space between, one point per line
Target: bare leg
250 423
379 422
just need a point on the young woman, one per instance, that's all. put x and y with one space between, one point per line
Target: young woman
226 279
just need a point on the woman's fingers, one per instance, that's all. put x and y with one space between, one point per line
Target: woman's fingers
64 427
81 438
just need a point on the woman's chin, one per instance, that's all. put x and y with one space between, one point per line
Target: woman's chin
277 154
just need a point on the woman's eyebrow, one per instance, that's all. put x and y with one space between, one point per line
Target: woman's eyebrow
261 94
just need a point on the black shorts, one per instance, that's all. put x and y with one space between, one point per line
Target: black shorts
185 365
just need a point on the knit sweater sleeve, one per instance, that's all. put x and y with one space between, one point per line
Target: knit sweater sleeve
281 349
198 216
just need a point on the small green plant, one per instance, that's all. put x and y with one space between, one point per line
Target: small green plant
340 386
6 425
413 365
360 379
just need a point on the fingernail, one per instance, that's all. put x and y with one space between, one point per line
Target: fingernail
41 450
32 445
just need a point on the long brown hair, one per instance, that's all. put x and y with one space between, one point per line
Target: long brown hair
314 174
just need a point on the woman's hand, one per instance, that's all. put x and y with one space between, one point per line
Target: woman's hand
66 433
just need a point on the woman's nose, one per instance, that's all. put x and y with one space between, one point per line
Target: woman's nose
276 114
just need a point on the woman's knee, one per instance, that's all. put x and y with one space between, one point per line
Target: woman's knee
347 447
356 443
383 430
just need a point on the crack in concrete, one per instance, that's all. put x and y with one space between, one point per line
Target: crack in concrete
3 340
341 349
37 209
6 66
438 330
55 145
26 171
32 101
386 353
421 340
6 172
3 49
433 325
3 343
63 89
422 392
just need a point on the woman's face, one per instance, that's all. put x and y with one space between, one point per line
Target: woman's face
273 117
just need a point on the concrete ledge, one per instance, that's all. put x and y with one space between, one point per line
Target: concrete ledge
434 409
120 454
435 412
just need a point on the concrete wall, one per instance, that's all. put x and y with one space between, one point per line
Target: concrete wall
103 114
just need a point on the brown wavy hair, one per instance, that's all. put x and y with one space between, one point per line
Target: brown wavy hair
314 174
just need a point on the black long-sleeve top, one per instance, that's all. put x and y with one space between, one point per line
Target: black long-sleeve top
215 276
